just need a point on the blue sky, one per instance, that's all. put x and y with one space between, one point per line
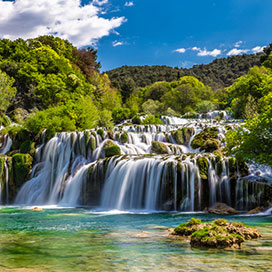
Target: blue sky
146 32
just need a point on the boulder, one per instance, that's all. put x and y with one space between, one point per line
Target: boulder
159 148
222 208
257 210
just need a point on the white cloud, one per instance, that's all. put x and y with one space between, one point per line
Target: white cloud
115 43
100 2
235 51
180 50
257 49
238 44
214 53
67 19
129 4
196 48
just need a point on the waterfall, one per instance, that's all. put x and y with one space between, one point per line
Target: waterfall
71 170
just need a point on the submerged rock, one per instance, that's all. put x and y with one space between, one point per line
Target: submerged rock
257 210
216 234
222 208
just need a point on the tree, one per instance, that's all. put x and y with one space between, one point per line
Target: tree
7 91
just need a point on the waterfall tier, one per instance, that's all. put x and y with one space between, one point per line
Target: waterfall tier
155 168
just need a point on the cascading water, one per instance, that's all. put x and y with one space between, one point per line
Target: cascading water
72 170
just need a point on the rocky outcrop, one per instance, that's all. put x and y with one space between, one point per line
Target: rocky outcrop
158 148
216 234
207 140
111 149
222 208
183 136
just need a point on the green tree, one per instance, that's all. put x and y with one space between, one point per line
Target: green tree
7 91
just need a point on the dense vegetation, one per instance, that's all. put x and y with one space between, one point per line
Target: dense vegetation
218 74
56 82
253 100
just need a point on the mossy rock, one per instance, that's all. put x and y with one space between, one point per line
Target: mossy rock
203 166
183 136
101 132
18 136
158 148
111 149
216 234
22 164
124 138
27 147
210 145
216 237
200 140
186 229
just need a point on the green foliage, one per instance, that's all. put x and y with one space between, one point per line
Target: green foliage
27 147
152 120
7 91
111 149
136 120
249 89
101 132
124 138
151 107
105 118
253 140
21 164
205 106
218 74
53 76
81 114
121 114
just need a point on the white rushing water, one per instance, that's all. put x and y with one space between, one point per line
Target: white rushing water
71 171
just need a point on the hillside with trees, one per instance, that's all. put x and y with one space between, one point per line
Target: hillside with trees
218 74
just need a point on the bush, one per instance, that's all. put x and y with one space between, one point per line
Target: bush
152 120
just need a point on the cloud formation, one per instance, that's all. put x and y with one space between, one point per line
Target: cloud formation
116 43
129 4
235 52
257 49
67 19
238 44
203 53
180 50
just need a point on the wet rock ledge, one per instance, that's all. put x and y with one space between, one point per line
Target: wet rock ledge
216 234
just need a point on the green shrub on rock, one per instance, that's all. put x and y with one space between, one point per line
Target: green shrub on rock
216 234
124 138
21 164
203 166
111 149
206 140
27 147
100 132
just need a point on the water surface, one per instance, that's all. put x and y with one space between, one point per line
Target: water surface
84 240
